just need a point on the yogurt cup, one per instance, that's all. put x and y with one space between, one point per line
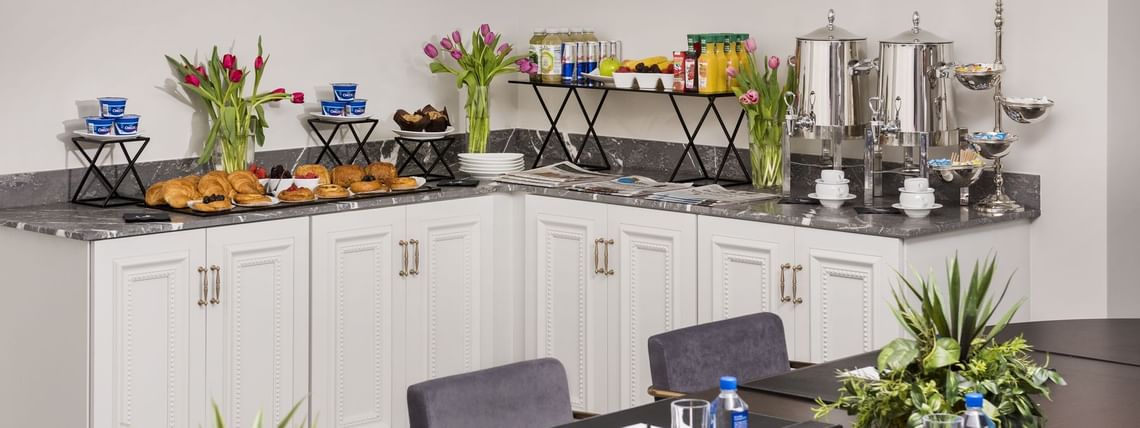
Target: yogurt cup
355 107
99 125
127 125
112 106
333 108
344 91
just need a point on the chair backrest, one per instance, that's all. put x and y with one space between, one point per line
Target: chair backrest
528 394
693 359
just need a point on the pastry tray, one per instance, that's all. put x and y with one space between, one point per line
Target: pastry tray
286 205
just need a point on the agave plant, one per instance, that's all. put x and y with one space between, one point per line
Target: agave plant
220 423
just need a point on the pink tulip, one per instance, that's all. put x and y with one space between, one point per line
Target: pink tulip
484 29
457 55
773 62
730 71
504 49
193 80
744 100
258 63
455 37
753 96
489 39
298 97
278 91
431 51
446 43
228 61
236 75
750 45
524 66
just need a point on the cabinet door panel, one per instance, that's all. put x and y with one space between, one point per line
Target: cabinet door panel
150 331
448 302
848 279
258 330
356 260
656 290
570 303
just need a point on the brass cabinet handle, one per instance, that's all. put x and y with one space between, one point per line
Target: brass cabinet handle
783 296
217 284
796 299
416 258
205 281
606 256
404 247
598 269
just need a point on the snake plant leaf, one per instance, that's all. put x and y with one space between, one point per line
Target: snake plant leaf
289 416
954 279
898 354
219 423
944 353
257 420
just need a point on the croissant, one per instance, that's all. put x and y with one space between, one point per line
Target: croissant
155 195
178 194
345 175
245 182
213 181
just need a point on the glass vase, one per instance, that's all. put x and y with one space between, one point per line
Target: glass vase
765 152
233 155
478 119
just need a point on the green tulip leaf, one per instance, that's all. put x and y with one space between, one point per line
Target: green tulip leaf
944 353
898 354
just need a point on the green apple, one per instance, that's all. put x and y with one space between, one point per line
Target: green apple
608 65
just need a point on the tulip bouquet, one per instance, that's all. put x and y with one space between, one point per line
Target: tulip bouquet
234 116
475 67
759 93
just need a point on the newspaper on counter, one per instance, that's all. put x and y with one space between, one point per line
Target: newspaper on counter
562 174
710 196
630 185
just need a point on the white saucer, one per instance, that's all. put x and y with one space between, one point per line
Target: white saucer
832 202
916 212
820 181
272 201
109 137
423 135
321 115
928 190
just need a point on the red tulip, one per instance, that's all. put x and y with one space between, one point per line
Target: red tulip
457 55
431 51
504 49
193 80
278 91
228 61
258 63
484 29
446 43
489 39
455 37
235 75
298 97
202 72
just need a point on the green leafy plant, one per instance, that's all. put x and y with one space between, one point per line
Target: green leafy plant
257 423
952 351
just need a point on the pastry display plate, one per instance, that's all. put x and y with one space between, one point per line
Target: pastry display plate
424 135
283 205
322 116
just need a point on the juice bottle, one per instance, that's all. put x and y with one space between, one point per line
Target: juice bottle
535 49
550 57
745 56
717 74
703 68
730 60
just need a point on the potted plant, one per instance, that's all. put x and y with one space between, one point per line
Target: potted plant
474 69
235 118
759 93
952 351
219 422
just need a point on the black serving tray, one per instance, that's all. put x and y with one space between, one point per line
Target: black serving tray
318 201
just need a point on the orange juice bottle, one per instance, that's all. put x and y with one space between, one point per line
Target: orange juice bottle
744 58
718 68
731 60
704 67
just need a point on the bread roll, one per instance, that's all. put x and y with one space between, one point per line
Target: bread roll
383 171
345 175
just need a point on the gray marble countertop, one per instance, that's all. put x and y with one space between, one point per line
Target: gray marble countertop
91 224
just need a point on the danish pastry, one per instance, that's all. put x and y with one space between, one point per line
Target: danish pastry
383 171
252 199
213 203
318 171
296 194
245 182
345 175
403 183
331 191
366 185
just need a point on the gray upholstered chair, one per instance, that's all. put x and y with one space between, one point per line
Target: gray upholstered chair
693 359
528 394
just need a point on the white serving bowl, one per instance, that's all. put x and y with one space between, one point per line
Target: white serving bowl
624 80
491 156
917 212
830 190
916 200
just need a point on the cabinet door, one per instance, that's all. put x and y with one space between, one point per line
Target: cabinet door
357 292
845 283
448 296
654 289
148 342
258 325
739 263
563 259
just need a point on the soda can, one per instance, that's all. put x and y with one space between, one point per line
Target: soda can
615 49
604 50
592 58
570 61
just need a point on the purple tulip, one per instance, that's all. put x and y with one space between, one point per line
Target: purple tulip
431 51
730 71
455 37
446 43
750 45
484 29
489 39
456 54
774 62
504 49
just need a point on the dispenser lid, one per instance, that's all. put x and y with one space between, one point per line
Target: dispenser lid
831 32
916 36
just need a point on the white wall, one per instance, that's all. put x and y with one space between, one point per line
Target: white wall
57 61
1124 239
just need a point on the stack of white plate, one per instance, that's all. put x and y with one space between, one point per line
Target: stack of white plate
488 166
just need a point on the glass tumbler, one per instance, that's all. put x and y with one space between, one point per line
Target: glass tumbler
691 413
942 420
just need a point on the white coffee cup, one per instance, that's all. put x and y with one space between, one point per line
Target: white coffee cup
917 184
832 175
916 200
831 190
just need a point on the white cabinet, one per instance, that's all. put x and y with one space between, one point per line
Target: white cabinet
186 318
400 295
605 279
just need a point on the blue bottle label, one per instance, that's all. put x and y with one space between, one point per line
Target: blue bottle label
740 419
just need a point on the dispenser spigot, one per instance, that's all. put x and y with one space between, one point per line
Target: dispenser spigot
793 120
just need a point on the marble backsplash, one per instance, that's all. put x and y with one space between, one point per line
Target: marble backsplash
45 187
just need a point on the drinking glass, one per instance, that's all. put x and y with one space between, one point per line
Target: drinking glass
690 413
942 420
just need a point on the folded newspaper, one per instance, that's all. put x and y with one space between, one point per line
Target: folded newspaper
562 174
710 196
630 185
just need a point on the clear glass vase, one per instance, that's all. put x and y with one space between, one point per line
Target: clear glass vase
765 152
235 155
478 119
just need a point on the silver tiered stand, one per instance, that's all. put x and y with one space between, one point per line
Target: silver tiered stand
995 145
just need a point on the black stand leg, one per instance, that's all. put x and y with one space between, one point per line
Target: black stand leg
325 142
426 171
691 145
591 133
553 126
731 149
112 189
360 143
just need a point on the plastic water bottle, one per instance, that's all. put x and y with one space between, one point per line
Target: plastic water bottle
975 417
729 410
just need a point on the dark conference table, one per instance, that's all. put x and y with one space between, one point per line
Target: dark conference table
1099 359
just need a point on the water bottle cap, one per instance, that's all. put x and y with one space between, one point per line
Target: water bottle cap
974 399
728 383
